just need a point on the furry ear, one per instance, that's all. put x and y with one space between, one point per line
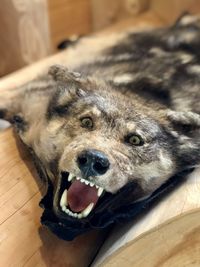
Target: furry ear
62 74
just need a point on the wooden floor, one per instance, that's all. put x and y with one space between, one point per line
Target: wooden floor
23 242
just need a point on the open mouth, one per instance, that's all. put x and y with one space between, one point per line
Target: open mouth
78 196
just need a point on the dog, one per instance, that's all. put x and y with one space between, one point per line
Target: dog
130 115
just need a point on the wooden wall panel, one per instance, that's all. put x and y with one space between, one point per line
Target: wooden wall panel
68 17
108 12
171 9
24 33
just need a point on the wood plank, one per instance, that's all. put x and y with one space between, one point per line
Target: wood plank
68 17
24 33
170 10
173 244
105 13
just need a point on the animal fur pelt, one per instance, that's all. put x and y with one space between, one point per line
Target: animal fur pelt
117 129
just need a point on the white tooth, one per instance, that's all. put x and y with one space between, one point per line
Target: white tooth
70 177
97 186
63 200
80 216
82 180
63 209
78 178
86 182
91 184
100 191
87 210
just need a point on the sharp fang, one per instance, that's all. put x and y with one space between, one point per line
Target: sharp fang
64 209
63 200
100 191
86 211
70 177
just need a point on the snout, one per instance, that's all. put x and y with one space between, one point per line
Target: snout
92 163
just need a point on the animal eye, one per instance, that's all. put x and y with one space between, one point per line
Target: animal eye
87 122
135 140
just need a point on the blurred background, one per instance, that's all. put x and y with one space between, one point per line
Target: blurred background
33 29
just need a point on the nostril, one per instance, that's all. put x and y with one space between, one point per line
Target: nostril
82 160
101 168
92 163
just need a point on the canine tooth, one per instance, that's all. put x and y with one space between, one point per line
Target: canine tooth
100 191
87 210
63 208
78 178
70 177
63 200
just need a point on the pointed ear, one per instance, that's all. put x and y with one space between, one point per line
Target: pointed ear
62 74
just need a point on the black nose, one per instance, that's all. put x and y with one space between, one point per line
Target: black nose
93 163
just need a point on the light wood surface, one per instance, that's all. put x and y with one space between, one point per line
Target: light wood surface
170 10
176 243
24 33
23 242
158 232
68 17
72 56
105 13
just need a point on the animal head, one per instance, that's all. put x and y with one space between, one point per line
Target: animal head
90 140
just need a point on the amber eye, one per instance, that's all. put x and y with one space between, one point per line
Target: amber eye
135 140
87 122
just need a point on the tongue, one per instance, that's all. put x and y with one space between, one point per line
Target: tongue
80 195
